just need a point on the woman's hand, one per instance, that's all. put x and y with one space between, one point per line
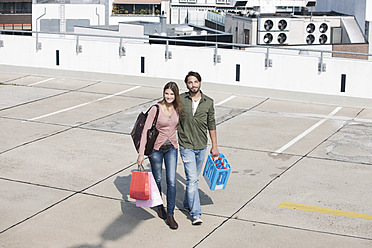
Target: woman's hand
140 160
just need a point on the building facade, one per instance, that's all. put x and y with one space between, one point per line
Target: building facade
16 14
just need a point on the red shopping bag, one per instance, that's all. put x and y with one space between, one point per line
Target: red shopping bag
155 197
139 185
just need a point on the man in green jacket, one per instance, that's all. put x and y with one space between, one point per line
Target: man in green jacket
196 120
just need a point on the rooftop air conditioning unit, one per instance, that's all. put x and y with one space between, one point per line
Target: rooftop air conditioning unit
273 31
317 33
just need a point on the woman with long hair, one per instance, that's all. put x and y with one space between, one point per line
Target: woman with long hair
165 148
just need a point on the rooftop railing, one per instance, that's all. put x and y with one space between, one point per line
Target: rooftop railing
268 50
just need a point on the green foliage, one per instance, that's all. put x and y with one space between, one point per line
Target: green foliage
117 9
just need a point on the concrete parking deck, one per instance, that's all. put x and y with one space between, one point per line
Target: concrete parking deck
301 172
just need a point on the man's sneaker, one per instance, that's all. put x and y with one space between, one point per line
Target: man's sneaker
197 220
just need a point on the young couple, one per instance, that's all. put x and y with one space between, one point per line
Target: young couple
191 114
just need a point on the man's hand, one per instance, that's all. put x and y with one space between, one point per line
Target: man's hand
140 160
214 151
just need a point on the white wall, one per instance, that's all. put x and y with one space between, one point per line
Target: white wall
290 72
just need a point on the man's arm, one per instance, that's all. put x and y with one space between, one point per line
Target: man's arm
214 149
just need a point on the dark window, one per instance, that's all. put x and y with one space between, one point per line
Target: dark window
343 82
142 64
57 57
237 76
16 8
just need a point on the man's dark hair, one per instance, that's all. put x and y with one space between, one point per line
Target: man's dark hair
193 73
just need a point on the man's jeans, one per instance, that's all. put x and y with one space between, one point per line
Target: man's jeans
170 160
193 162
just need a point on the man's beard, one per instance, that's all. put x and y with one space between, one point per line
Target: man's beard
193 90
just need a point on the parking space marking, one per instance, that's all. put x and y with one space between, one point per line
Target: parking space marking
84 104
322 210
289 144
226 100
46 80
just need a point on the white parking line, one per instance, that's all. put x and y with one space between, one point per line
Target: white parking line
289 144
46 80
226 100
83 104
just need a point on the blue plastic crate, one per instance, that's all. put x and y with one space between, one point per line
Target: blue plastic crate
216 176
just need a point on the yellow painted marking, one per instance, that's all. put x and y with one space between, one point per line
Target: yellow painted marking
309 208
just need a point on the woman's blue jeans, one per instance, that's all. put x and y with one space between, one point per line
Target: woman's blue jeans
170 160
193 161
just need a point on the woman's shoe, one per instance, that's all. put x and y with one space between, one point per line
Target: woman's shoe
161 213
171 222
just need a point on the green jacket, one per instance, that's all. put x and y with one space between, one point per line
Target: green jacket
192 129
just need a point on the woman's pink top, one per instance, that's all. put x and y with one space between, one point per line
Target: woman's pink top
167 127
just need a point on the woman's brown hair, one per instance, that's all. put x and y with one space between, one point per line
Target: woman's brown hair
177 102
